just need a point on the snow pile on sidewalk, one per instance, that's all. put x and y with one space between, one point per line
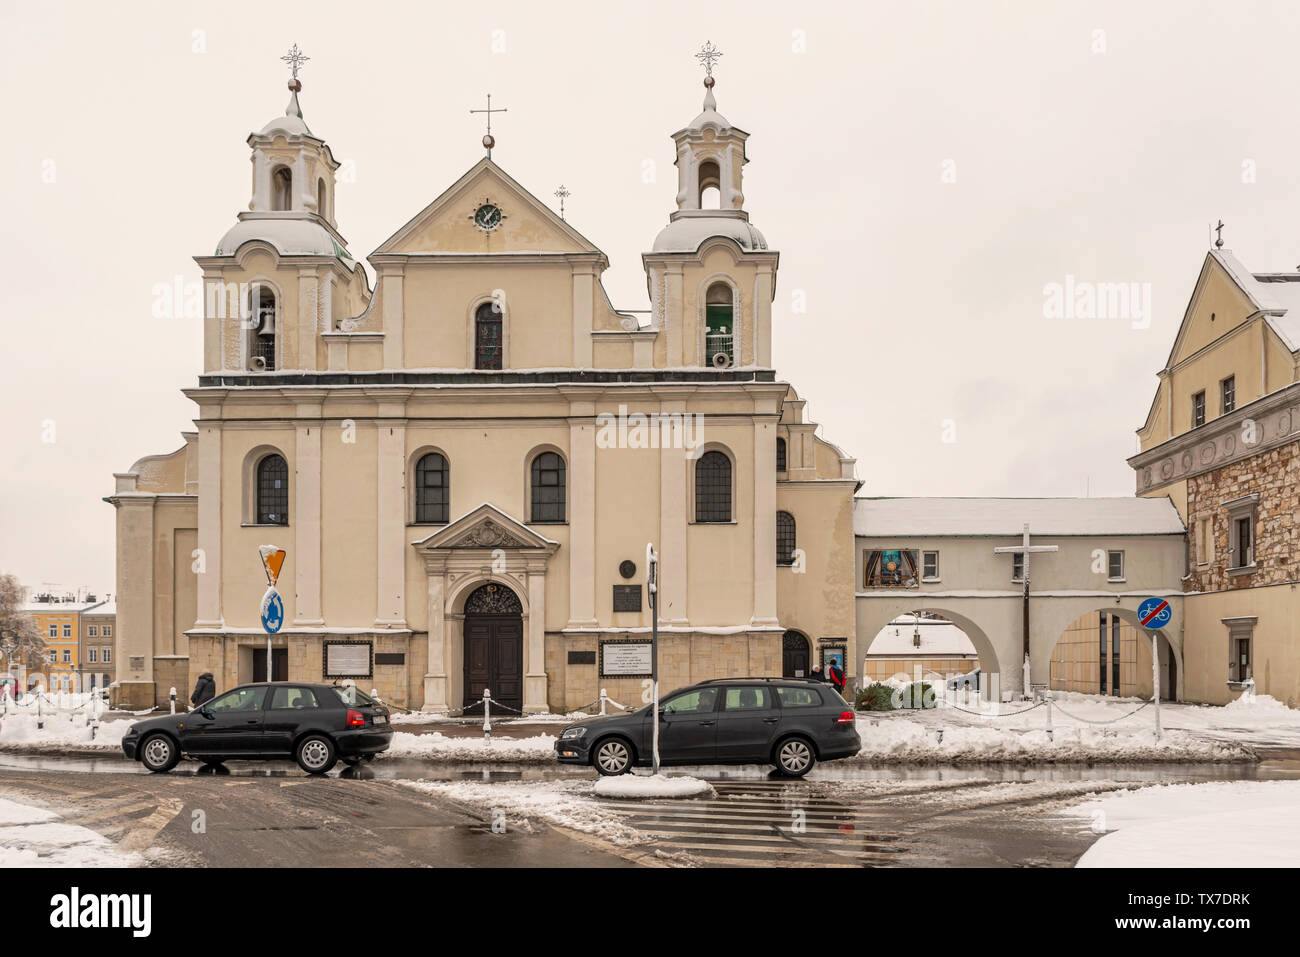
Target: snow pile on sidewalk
1220 824
33 837
19 732
640 787
430 717
562 803
894 738
435 747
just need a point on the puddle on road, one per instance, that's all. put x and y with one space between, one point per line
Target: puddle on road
1276 765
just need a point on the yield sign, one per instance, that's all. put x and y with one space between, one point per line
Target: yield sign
272 561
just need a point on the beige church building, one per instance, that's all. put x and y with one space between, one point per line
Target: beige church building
465 461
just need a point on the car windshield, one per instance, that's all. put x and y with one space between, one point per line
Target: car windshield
354 696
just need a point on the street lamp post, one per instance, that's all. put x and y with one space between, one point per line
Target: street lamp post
652 586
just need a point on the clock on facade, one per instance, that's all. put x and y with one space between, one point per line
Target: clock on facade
488 216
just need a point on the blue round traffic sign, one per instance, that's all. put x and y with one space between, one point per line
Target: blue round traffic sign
1155 613
272 611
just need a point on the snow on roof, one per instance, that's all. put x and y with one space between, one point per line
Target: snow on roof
937 638
946 517
1276 294
686 234
290 237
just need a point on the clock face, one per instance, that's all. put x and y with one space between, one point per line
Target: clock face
488 217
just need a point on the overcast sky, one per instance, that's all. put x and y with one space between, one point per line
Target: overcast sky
925 170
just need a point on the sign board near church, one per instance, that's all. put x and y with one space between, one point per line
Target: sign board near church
625 659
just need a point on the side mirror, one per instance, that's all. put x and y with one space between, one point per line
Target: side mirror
207 713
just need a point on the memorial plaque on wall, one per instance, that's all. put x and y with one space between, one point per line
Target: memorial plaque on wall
582 657
627 597
625 659
390 658
347 659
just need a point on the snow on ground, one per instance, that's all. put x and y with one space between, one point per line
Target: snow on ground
34 837
563 803
19 731
443 749
1220 824
640 787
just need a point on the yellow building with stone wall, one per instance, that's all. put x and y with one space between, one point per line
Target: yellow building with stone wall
466 462
1222 439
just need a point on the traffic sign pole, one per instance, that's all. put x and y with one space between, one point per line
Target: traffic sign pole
1155 678
272 612
1154 614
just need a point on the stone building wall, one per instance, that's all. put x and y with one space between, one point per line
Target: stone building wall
1275 475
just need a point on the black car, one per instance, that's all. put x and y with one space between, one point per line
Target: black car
790 722
314 724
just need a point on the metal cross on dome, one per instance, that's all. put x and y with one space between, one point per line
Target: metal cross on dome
707 56
564 194
295 59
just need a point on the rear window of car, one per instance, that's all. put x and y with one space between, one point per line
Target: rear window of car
799 697
354 696
293 698
748 698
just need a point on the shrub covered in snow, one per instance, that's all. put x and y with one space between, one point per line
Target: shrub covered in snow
918 694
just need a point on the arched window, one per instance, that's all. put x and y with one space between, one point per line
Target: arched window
487 336
713 488
780 455
719 326
321 197
710 185
547 481
273 491
282 188
261 331
784 538
432 490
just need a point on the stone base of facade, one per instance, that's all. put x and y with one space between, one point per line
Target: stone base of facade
684 658
134 696
397 668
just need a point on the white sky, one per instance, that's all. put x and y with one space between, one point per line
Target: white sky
924 298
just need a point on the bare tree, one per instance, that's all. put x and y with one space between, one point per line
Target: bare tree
20 637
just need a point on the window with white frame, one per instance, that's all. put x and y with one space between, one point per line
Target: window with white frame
108 631
67 655
930 566
1228 394
94 656
67 631
1198 409
54 631
108 656
1115 565
93 631
1241 634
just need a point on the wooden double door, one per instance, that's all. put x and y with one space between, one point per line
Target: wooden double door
494 659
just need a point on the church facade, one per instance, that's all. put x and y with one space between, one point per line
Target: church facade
465 461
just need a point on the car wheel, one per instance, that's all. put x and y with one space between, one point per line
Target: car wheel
794 757
159 753
613 756
315 754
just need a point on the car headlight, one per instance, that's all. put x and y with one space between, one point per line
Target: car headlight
570 733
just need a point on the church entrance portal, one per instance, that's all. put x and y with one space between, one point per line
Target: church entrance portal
494 646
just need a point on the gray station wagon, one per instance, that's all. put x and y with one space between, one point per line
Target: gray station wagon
790 722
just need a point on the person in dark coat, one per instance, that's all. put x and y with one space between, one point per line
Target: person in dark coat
205 689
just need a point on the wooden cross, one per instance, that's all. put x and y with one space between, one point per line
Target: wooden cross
488 140
1025 549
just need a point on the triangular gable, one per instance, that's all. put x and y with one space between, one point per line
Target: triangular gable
1224 280
446 225
486 527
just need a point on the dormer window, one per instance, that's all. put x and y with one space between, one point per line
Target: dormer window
261 329
281 188
719 326
487 336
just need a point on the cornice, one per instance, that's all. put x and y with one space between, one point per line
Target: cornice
1221 441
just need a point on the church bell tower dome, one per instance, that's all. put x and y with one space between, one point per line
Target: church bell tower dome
292 206
710 162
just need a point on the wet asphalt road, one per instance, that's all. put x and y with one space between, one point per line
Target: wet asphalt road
272 814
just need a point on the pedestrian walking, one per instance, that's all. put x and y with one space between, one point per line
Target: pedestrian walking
205 689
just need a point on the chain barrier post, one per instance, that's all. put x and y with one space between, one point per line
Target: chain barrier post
487 714
602 702
1047 696
172 699
40 715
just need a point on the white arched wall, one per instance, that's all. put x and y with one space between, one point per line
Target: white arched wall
987 622
1050 617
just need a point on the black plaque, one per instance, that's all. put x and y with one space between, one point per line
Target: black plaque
390 657
627 597
582 657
